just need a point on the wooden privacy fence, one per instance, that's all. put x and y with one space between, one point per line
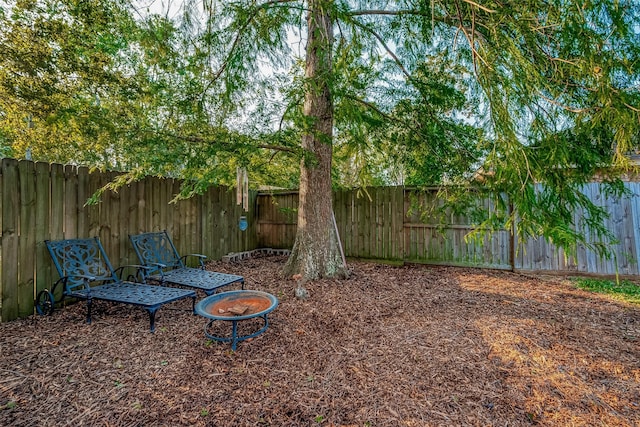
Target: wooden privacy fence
381 223
42 201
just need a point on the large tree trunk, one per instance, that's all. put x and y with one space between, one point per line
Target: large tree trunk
315 252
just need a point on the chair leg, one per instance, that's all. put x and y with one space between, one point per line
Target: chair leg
152 319
89 304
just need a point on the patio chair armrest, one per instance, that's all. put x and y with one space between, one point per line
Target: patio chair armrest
200 257
152 268
85 279
140 276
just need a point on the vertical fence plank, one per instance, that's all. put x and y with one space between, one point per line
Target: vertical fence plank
10 224
231 217
82 207
128 215
397 218
27 238
149 205
152 189
385 218
44 277
70 202
93 210
57 202
169 211
634 189
214 218
196 226
141 210
109 220
163 212
406 236
194 232
220 220
2 191
179 219
341 220
57 210
260 216
205 222
187 226
361 225
367 202
122 215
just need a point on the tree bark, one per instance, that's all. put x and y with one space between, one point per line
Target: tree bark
315 252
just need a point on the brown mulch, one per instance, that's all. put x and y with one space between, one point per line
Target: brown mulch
391 346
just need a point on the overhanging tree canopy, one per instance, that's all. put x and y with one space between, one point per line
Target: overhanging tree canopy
554 86
538 96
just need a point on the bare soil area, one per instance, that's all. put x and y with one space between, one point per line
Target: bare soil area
391 346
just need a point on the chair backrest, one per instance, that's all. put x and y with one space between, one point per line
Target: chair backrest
156 248
80 257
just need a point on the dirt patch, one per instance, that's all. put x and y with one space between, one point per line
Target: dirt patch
391 346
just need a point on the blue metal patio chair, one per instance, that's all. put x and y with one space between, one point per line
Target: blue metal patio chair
86 273
156 251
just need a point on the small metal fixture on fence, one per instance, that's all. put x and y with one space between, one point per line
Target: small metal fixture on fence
243 224
242 195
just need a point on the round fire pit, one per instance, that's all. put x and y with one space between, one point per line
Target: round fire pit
235 306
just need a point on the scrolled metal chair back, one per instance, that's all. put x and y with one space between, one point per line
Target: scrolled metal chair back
75 258
156 248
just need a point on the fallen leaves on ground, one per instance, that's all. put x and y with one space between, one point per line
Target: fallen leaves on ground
390 346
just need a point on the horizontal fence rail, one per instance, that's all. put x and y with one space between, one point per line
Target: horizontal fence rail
43 201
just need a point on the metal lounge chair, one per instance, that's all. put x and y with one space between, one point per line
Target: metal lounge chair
156 251
86 273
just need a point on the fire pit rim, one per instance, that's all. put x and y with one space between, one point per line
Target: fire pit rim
201 306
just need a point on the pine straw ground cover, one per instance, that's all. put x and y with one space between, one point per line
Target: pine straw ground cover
391 346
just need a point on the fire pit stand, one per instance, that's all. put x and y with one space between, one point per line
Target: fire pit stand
236 306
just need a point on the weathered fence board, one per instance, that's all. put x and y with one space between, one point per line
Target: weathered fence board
2 192
42 230
277 219
10 236
536 254
42 201
26 241
433 238
369 221
393 219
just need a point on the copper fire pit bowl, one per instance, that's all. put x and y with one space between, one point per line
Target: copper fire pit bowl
235 306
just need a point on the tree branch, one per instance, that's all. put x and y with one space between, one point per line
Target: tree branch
238 37
563 106
386 48
200 140
471 37
411 11
372 107
388 12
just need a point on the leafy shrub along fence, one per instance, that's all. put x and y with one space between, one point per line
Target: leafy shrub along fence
42 201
